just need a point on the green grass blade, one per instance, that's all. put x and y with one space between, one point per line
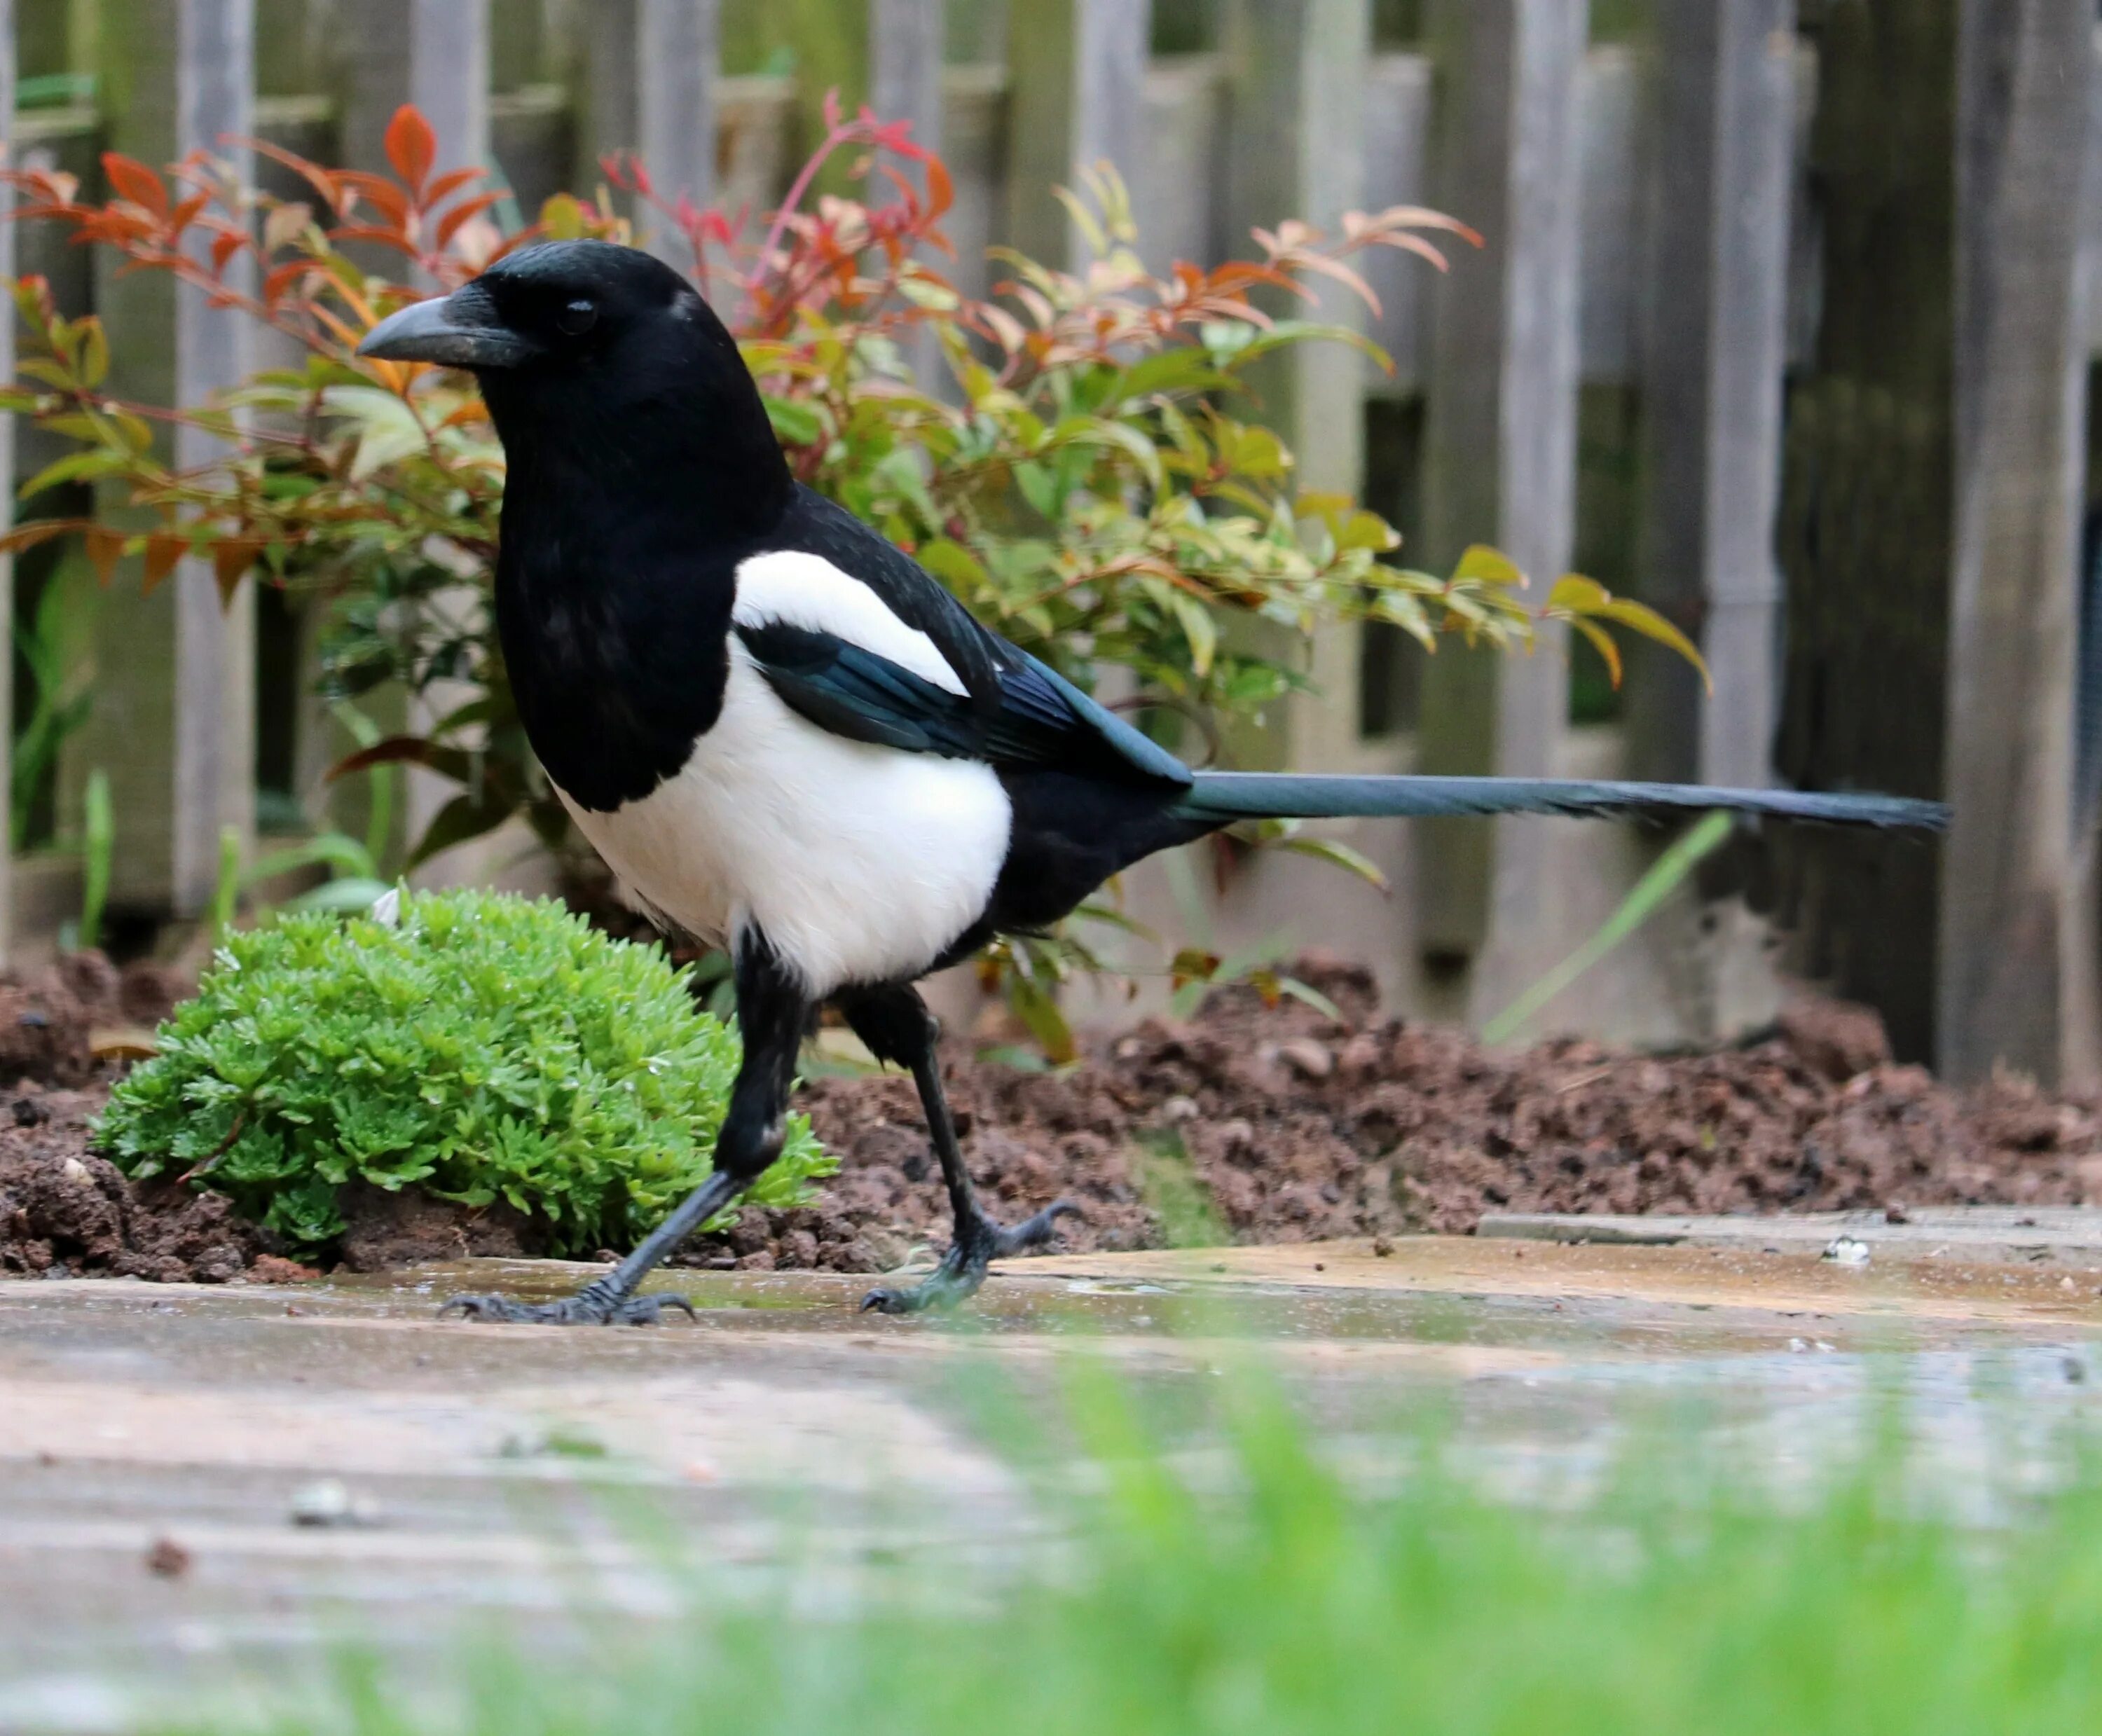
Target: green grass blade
100 847
1664 877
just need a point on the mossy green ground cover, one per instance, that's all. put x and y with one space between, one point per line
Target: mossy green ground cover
481 1046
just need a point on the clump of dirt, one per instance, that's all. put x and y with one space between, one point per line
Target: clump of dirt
64 1211
1262 1123
386 1230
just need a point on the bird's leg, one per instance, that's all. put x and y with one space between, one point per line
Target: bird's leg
772 1011
897 1026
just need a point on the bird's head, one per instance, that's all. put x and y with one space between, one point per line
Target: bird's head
598 354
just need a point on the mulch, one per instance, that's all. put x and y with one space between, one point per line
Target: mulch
1252 1122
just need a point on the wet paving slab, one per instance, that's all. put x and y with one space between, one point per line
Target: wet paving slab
199 1484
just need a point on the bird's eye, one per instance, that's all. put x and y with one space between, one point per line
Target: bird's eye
577 319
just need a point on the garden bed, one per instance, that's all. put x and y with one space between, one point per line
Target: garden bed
1250 1123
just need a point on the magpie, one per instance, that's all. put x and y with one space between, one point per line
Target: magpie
787 739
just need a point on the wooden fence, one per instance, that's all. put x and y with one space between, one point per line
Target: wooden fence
1773 308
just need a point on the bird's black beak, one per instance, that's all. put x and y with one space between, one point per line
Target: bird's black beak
463 329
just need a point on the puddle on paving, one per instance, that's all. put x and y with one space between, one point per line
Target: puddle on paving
823 1304
1564 1301
1567 1310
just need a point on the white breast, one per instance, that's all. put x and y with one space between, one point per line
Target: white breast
860 864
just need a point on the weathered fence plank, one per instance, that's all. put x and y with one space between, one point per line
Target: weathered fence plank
437 55
905 84
431 53
2019 373
1397 172
652 67
1297 72
1929 517
1178 193
1613 134
1501 454
974 129
905 65
1718 307
173 722
1076 85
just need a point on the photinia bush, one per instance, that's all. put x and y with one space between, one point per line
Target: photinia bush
1088 474
482 1048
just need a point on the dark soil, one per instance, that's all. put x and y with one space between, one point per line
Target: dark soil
1256 1124
63 1210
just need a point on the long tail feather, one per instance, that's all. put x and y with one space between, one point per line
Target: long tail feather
1230 795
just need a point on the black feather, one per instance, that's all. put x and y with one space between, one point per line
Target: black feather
1226 796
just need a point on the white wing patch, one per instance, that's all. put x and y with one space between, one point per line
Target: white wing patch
807 591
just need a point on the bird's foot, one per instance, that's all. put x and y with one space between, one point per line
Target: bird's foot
598 1303
963 1269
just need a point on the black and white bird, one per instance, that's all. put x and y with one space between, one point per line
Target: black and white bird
786 738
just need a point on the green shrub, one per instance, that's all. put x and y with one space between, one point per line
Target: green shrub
486 1047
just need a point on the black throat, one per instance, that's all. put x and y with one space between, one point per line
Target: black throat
639 476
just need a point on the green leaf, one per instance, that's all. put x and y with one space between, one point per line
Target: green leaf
1181 369
1483 564
75 466
333 850
1286 333
955 566
1045 1022
463 817
1638 618
794 424
93 357
1341 855
1198 630
348 894
386 429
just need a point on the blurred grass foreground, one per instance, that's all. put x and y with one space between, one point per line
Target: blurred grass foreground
1258 1590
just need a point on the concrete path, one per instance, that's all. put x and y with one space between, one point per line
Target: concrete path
202 1489
2068 1237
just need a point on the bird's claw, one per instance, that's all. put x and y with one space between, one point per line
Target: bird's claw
590 1306
963 1268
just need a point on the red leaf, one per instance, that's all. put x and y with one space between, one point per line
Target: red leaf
323 181
134 181
186 213
411 146
224 247
40 531
283 278
231 557
383 196
941 191
372 231
392 751
449 224
449 184
163 551
105 548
